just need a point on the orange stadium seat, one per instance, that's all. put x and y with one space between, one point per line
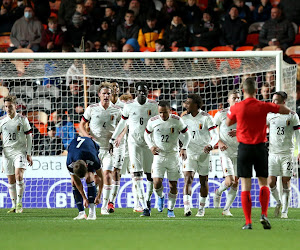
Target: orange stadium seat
174 49
222 48
147 49
252 39
294 52
245 48
5 43
198 48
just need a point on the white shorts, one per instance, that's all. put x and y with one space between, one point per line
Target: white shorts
228 164
107 160
9 164
169 164
281 165
119 156
198 163
140 157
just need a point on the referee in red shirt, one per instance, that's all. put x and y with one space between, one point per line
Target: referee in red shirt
250 116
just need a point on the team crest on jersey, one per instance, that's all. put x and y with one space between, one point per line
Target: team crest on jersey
112 117
200 126
149 112
172 130
288 123
18 127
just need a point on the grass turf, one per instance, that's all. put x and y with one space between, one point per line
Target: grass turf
55 229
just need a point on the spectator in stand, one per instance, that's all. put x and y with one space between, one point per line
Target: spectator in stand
52 144
191 13
128 29
176 34
64 128
78 29
140 11
73 101
161 45
265 93
169 7
234 30
110 17
112 46
244 11
150 32
104 33
277 31
206 33
42 9
262 11
26 31
93 13
219 8
291 10
66 11
52 37
9 13
120 8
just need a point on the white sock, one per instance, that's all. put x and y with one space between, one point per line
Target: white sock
92 208
106 193
187 200
13 194
20 190
222 188
202 201
285 199
114 192
81 212
172 201
135 197
230 198
140 191
275 194
159 192
149 190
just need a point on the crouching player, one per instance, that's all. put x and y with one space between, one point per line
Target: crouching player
161 136
83 162
228 155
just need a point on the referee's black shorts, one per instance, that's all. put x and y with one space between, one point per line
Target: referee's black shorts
252 155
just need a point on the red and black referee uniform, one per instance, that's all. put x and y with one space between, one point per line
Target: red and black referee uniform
250 116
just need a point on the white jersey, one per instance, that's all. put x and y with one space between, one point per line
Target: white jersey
199 127
282 128
137 116
14 134
165 133
102 122
120 103
231 142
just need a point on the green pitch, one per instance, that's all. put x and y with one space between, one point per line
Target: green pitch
55 229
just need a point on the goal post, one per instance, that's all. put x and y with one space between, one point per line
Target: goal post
57 87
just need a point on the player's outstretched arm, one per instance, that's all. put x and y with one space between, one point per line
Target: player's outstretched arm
75 179
29 146
99 175
119 129
120 137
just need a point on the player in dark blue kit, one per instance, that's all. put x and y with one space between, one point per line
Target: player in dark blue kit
83 162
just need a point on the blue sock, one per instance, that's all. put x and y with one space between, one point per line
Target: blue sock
91 191
78 199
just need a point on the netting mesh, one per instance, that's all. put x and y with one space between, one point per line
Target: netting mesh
52 90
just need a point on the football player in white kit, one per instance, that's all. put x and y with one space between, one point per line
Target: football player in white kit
282 129
204 137
228 155
162 137
136 114
103 118
17 142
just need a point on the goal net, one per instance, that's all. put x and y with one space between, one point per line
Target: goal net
53 89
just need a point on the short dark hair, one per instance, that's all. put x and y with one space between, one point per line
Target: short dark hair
232 92
129 12
141 84
249 85
282 94
10 98
80 168
196 99
164 104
